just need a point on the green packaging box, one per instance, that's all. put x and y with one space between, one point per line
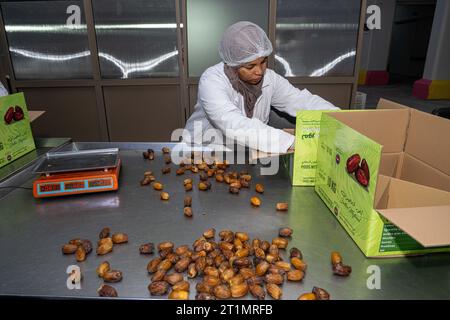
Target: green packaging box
16 138
385 175
301 165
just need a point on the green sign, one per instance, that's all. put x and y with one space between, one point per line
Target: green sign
16 138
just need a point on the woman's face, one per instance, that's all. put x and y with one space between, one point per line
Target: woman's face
253 72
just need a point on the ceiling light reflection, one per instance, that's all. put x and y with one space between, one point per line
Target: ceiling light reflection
325 69
82 27
125 67
287 68
49 57
317 26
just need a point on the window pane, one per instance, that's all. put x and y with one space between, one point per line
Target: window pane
136 38
47 39
208 19
316 37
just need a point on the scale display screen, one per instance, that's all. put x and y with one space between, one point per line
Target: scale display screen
49 187
100 183
73 185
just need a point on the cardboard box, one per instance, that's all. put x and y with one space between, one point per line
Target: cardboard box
16 138
302 163
405 206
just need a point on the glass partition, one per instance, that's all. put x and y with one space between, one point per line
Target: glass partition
136 38
316 38
47 39
208 19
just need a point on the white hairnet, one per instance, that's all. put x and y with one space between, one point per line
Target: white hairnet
243 42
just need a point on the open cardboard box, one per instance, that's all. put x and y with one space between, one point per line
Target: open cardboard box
301 164
405 207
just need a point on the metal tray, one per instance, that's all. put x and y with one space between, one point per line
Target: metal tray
80 160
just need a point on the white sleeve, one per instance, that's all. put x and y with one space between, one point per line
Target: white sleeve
3 91
216 101
290 99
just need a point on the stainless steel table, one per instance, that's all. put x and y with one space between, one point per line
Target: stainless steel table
32 232
9 174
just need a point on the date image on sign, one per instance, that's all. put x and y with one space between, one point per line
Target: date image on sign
359 168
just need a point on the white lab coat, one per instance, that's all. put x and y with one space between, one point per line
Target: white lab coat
220 107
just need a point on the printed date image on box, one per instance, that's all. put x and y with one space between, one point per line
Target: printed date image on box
16 138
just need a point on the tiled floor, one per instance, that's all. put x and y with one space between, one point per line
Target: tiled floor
401 93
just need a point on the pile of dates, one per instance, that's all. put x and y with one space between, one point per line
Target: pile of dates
105 272
232 267
208 170
83 247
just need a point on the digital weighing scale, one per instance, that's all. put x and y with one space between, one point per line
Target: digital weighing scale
75 172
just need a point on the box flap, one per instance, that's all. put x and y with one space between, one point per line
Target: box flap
428 140
417 171
386 127
35 114
404 194
420 211
389 163
398 172
428 225
382 192
387 104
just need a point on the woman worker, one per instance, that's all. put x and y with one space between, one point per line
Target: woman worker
235 96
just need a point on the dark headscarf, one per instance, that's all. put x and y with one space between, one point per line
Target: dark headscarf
250 92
